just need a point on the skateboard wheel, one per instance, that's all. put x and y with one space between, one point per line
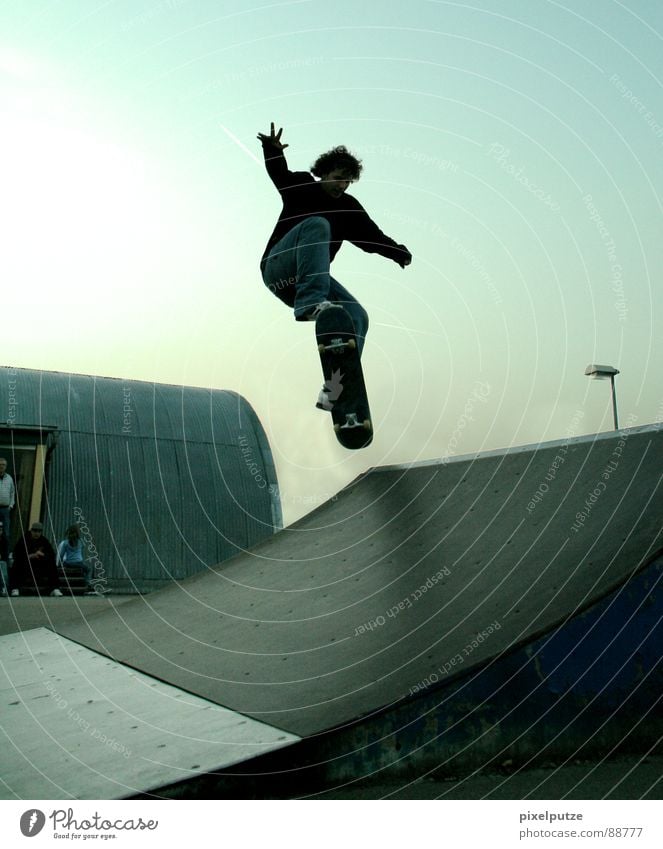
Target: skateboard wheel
367 424
337 427
352 343
321 349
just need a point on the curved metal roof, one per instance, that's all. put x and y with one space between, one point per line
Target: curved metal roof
168 479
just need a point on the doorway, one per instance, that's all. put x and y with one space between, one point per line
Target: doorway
25 453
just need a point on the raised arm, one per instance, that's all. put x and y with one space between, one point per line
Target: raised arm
275 162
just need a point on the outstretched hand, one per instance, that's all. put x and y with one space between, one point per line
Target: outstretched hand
273 139
405 258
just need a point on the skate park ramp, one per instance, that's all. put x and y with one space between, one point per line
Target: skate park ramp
350 611
77 725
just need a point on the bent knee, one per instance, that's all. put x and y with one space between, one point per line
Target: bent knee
318 225
359 317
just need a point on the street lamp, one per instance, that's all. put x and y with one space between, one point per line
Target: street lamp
602 373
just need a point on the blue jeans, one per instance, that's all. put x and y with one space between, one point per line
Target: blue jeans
297 271
85 568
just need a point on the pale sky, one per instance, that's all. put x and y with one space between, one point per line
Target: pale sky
514 147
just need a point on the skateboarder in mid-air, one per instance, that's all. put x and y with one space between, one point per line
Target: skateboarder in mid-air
317 216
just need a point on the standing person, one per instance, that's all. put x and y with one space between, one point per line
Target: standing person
7 498
70 553
4 557
316 218
34 563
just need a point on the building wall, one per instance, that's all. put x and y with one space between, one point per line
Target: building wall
164 480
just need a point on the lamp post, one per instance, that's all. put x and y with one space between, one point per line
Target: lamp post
602 373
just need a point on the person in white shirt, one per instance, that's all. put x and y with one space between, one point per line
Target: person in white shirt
7 498
4 556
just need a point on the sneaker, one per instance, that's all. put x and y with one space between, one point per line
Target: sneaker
96 589
14 593
56 594
314 312
3 593
323 402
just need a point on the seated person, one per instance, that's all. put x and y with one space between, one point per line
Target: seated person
34 563
70 553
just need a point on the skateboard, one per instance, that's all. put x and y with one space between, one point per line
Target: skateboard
344 378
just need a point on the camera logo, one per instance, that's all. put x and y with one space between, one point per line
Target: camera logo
32 822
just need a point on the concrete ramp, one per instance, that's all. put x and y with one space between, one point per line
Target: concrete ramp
412 578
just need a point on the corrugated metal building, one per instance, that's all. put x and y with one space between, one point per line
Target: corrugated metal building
163 480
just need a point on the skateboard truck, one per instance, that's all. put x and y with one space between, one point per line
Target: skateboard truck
351 421
337 345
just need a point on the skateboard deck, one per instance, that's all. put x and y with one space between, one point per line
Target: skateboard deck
344 378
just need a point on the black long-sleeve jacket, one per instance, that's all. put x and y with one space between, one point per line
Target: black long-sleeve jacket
303 196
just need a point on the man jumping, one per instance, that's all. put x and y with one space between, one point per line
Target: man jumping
317 216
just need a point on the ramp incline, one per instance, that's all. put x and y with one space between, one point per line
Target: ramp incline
347 612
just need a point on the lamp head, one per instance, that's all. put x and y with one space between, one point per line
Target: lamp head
596 372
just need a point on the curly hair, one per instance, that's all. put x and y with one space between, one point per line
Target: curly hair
338 158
